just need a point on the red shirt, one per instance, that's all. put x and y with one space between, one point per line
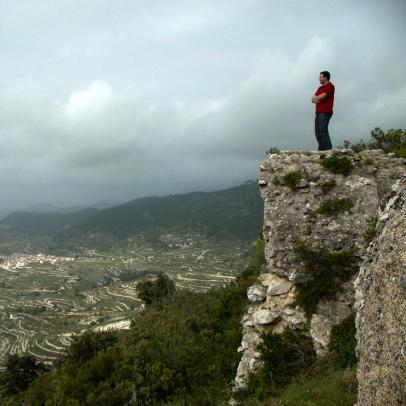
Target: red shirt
325 105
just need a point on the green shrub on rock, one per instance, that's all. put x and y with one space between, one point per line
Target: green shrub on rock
372 222
273 150
283 356
291 179
338 165
329 270
343 342
259 257
334 206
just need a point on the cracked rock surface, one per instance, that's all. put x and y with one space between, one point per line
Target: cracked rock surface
381 309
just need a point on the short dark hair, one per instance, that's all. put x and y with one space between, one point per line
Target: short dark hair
325 74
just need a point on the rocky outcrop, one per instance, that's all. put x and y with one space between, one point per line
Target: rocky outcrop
381 309
294 186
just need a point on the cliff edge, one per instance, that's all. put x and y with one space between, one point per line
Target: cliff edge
381 309
319 209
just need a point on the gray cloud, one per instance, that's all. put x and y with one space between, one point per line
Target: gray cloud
132 98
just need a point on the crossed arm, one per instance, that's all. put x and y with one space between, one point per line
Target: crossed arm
319 98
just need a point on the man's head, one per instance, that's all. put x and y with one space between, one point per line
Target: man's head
324 77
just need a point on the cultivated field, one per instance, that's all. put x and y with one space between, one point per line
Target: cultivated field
45 299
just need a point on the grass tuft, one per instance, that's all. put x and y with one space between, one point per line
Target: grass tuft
291 179
372 222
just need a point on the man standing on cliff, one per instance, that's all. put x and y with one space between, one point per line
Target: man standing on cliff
323 99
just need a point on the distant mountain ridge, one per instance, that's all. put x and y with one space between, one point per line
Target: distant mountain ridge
45 223
235 211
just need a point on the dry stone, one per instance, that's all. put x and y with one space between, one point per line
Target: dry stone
256 293
381 309
279 289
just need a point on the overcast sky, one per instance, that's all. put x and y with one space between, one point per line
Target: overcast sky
118 99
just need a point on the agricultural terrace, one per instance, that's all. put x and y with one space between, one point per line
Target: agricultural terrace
45 299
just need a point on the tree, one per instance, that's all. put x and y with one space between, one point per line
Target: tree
393 140
20 372
87 345
154 292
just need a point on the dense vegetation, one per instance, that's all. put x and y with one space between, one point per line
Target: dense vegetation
323 385
283 357
20 372
156 292
180 350
291 375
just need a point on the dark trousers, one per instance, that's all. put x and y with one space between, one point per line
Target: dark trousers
321 130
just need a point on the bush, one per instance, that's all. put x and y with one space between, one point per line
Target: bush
21 370
343 343
394 140
88 344
334 206
328 271
291 179
155 292
372 222
259 258
360 146
400 152
338 165
283 356
273 150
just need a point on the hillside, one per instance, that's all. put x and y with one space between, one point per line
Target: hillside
236 212
181 350
35 223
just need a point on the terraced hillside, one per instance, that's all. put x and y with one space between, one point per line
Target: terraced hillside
45 299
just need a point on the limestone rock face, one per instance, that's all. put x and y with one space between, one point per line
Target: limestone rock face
328 314
279 289
292 215
381 309
256 293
